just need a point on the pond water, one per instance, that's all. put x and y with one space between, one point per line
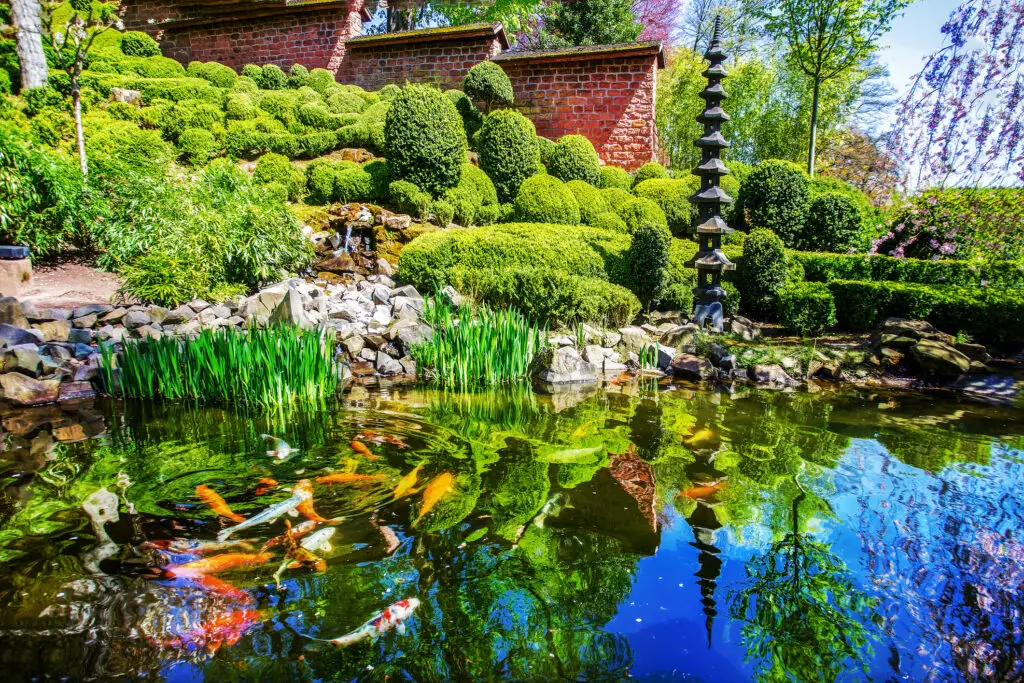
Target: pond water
646 533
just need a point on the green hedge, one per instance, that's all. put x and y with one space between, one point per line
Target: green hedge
819 267
806 307
546 199
990 315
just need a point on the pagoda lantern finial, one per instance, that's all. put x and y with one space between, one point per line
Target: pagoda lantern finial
710 261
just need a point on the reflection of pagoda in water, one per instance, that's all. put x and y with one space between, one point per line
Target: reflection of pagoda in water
704 524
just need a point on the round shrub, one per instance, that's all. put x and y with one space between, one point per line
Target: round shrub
320 80
253 71
546 199
240 107
762 273
589 198
488 215
476 180
298 76
244 84
615 176
320 176
640 212
833 224
197 145
617 198
276 168
443 212
307 95
424 139
408 198
389 92
381 174
272 77
775 196
546 147
610 221
807 307
317 117
649 171
648 262
508 151
139 44
122 111
217 74
464 205
345 102
488 82
353 185
673 196
472 118
574 158
5 82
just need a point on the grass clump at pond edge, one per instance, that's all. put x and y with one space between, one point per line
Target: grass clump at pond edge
271 367
484 348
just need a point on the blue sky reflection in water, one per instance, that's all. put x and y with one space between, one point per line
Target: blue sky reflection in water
663 535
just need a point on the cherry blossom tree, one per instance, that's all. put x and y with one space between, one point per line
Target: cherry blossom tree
961 121
661 19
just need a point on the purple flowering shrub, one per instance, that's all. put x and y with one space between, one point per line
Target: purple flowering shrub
962 224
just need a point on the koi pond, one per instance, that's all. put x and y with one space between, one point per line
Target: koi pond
642 532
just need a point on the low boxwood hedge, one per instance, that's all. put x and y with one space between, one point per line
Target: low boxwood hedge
806 307
820 267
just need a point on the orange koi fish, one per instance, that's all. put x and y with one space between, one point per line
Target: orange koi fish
293 533
217 563
704 491
622 379
436 490
348 478
406 483
211 584
265 485
377 437
305 489
362 449
226 628
217 504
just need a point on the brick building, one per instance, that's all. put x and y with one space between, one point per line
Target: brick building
604 92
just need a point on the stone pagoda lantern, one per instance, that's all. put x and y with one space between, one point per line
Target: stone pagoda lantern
710 262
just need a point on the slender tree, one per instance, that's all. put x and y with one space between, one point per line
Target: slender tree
29 36
828 38
71 41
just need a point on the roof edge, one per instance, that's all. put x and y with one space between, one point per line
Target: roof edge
434 35
651 47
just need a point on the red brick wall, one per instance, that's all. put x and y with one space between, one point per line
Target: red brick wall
609 99
444 63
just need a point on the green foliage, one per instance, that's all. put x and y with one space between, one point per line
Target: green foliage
344 102
615 176
424 138
139 44
652 170
590 200
673 196
177 90
408 198
546 147
486 348
775 196
353 184
546 199
762 273
320 80
833 224
173 119
488 82
874 218
271 77
464 205
617 198
320 176
240 107
639 212
994 315
267 368
472 118
480 184
253 71
275 168
217 74
123 111
5 82
197 145
298 76
389 92
574 158
609 221
444 212
828 267
806 307
588 22
648 257
508 151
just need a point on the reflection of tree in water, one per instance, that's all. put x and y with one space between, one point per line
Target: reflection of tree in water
802 616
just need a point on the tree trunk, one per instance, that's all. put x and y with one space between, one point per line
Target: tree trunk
29 46
76 101
811 152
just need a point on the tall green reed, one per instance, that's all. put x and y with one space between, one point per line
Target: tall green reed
271 367
484 347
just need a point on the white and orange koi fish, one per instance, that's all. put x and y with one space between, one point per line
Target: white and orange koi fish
392 617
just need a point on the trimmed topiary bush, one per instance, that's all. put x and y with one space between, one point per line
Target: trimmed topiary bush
546 199
344 102
424 139
139 44
253 71
487 82
673 196
320 176
197 145
276 168
574 158
488 215
648 262
776 196
610 221
443 212
617 198
545 146
806 307
615 176
216 74
389 92
641 211
472 118
272 77
834 224
649 171
590 200
320 80
298 76
508 151
464 205
762 274
353 184
476 180
406 197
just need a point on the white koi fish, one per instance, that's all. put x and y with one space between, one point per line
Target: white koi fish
299 496
319 541
281 449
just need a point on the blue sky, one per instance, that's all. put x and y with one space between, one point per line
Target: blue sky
914 36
